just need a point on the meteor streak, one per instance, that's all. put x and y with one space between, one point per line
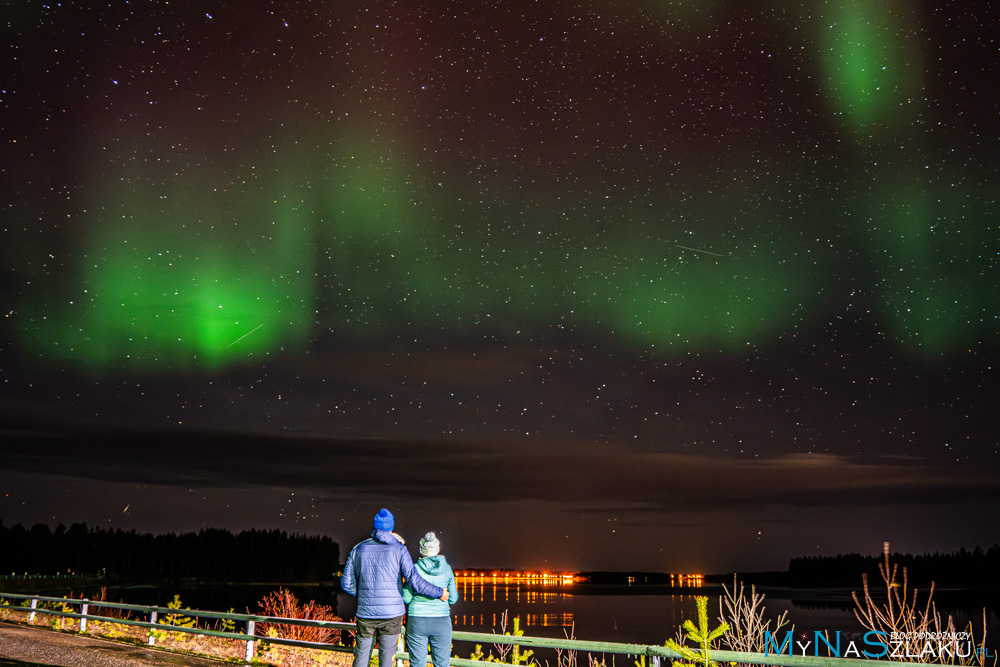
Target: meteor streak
707 252
245 335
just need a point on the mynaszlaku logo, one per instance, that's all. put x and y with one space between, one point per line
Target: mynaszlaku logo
876 644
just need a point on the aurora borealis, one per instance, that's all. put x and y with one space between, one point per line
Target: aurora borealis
752 242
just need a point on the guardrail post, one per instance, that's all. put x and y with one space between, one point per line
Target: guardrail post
83 619
34 606
251 629
152 619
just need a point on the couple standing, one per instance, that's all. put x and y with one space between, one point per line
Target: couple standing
374 574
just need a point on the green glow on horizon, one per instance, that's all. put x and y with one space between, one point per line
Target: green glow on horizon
242 286
166 287
937 286
710 302
364 246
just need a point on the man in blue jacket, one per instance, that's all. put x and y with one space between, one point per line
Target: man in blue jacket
374 574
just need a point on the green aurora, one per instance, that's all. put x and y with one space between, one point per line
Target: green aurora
354 237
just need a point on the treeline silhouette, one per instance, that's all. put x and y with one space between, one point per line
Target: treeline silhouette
213 554
978 567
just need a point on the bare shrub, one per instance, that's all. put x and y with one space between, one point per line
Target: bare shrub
503 649
284 604
567 657
745 615
902 618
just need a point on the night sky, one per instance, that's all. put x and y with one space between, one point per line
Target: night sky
648 285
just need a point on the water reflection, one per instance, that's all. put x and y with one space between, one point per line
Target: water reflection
644 618
566 602
482 592
472 622
518 592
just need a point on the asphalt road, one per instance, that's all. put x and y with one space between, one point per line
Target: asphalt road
22 646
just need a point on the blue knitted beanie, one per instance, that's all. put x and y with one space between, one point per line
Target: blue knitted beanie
384 520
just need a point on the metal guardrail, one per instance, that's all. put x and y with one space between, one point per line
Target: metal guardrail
654 654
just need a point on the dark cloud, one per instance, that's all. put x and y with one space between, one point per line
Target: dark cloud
604 475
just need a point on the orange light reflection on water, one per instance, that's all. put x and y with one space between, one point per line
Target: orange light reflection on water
519 588
549 620
474 591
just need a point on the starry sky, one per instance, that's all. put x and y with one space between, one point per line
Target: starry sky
653 285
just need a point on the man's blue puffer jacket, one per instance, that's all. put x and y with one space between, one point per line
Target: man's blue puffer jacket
373 574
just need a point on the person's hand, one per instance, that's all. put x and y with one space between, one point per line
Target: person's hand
444 596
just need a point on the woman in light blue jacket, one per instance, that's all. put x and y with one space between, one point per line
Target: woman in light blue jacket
429 619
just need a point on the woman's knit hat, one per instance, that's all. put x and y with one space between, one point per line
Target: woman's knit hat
429 545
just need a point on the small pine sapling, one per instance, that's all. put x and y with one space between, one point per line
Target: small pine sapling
701 636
